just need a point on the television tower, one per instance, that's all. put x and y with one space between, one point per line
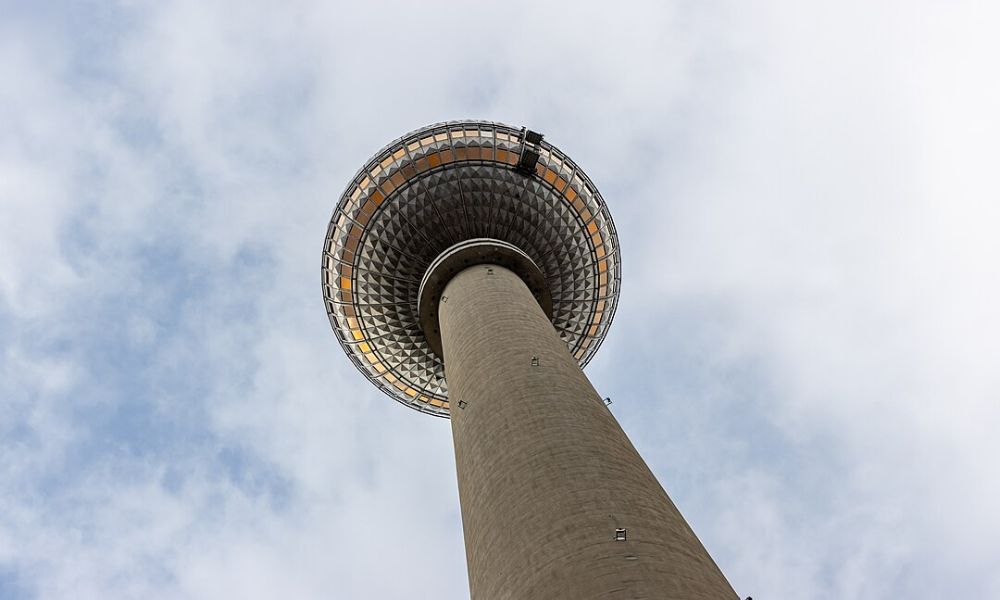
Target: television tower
470 271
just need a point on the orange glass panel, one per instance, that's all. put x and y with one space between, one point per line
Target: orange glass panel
364 215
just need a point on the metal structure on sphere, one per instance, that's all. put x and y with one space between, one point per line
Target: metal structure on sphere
442 185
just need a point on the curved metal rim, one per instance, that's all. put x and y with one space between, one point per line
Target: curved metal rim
471 253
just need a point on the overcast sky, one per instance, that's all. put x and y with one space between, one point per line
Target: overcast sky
806 350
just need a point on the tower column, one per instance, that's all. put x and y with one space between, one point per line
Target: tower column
547 478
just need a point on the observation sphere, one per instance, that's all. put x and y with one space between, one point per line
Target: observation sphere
447 185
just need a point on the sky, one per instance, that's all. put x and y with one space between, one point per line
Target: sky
805 351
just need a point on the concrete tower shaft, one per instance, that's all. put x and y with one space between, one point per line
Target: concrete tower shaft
547 478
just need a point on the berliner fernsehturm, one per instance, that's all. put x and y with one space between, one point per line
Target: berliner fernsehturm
470 271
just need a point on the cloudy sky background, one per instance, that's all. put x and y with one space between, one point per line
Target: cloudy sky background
805 351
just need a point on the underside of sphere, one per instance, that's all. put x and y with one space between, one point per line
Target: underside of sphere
438 187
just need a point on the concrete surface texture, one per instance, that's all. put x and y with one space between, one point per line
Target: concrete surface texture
547 478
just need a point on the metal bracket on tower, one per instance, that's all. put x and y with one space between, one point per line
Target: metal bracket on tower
530 146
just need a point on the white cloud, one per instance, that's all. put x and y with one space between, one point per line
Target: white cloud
807 206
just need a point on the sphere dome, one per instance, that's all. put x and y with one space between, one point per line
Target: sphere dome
438 187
